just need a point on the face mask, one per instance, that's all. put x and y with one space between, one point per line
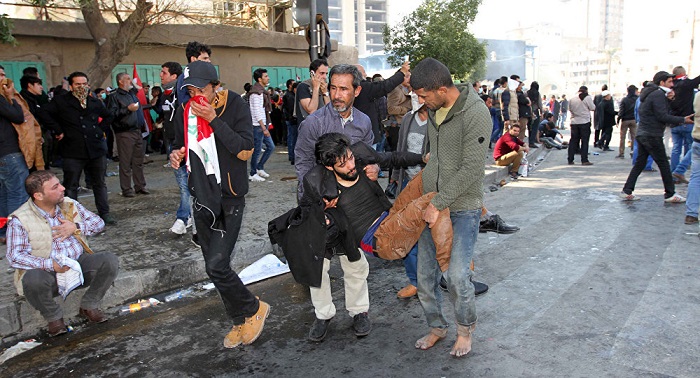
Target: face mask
103 96
81 93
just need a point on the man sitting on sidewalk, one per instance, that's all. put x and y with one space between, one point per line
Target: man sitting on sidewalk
46 237
509 150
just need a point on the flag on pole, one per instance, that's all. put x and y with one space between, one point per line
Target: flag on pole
141 95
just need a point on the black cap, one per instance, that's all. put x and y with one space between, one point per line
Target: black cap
661 76
199 74
583 88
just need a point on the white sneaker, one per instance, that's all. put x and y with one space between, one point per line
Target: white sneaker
189 222
263 174
675 198
179 227
256 178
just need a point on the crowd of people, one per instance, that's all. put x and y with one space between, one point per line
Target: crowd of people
342 130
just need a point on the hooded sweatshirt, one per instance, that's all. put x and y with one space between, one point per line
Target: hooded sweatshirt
654 112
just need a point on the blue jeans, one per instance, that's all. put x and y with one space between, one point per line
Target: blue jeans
497 130
692 203
183 212
256 162
465 225
682 139
684 164
13 172
562 120
292 134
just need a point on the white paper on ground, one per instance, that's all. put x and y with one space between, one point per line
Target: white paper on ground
268 266
18 349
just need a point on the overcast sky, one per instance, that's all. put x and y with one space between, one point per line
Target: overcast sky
644 24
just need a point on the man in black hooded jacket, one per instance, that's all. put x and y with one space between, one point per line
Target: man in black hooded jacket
654 115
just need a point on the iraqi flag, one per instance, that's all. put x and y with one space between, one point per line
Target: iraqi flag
141 95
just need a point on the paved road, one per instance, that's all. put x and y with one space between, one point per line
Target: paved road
589 287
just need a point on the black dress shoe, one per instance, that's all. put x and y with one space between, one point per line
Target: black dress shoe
361 324
319 330
497 225
480 288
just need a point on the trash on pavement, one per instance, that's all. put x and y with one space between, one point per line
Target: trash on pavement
18 349
268 266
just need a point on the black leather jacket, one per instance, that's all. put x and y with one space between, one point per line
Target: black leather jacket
124 119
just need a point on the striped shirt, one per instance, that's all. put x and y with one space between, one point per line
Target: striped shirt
19 251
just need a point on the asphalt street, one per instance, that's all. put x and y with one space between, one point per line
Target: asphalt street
589 287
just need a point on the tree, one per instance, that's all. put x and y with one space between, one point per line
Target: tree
6 31
439 29
115 26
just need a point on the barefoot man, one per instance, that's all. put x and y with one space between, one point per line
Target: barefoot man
458 133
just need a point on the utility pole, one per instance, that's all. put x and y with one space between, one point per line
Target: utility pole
313 30
692 43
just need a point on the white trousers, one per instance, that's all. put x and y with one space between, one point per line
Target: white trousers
356 291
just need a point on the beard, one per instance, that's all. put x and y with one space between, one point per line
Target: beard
350 176
343 107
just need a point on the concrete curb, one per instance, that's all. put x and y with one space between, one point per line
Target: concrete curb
19 321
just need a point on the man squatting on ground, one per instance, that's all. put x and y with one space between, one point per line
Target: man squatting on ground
458 133
46 237
509 150
216 147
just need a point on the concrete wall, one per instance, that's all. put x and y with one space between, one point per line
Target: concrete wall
66 47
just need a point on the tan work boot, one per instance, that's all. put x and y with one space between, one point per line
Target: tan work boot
253 326
407 292
233 338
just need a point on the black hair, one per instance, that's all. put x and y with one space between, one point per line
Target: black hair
28 79
547 115
295 85
34 183
31 71
290 82
258 74
504 80
174 68
157 88
98 90
346 69
194 49
77 74
604 87
247 86
1 67
430 74
551 125
514 77
485 97
376 76
331 148
317 63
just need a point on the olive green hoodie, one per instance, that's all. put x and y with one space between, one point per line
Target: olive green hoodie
457 154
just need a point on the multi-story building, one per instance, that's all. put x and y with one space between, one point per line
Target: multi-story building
358 23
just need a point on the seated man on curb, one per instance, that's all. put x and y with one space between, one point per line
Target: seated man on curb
363 218
509 150
50 228
549 135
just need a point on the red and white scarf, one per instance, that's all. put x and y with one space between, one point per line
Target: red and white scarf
199 140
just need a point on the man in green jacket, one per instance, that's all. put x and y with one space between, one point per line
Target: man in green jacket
458 132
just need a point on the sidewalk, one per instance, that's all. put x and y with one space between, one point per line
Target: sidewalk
154 260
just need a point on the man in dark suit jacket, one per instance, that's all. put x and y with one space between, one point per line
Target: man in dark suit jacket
75 119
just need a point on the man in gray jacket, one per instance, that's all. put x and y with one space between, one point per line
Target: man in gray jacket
458 133
128 119
654 115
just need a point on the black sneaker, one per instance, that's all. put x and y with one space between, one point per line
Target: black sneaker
319 330
109 219
361 324
443 284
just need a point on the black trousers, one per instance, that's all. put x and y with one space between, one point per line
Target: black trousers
217 238
654 147
580 135
95 169
606 136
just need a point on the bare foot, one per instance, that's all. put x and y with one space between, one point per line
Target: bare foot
463 345
427 341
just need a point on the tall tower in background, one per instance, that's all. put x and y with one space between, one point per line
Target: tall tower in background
611 17
358 23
